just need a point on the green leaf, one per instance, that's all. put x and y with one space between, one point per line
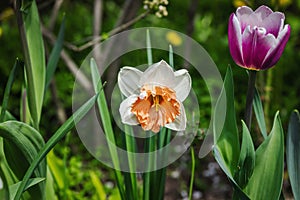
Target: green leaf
100 192
246 160
34 54
8 88
55 54
21 144
259 114
293 153
107 125
13 188
49 190
57 169
226 137
7 116
267 177
4 167
4 193
238 191
130 178
58 135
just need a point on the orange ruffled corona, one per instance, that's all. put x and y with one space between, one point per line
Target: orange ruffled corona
154 97
156 107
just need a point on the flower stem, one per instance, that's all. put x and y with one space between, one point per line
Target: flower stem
192 174
250 96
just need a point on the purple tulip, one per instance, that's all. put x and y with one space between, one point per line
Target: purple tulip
257 38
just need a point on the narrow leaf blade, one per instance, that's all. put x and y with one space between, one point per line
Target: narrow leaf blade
55 54
259 114
13 188
8 89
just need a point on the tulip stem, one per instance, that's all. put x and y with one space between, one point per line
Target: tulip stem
250 96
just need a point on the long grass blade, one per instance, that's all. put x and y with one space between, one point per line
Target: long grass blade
107 125
10 81
55 54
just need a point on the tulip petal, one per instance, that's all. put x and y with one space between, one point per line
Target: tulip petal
274 55
263 12
183 84
235 40
179 123
128 80
274 23
242 14
127 117
256 45
158 74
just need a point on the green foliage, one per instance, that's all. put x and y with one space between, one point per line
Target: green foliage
246 162
226 135
259 113
267 177
13 188
7 90
107 125
293 153
21 144
33 47
55 54
58 135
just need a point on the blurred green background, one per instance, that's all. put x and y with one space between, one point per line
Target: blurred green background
203 20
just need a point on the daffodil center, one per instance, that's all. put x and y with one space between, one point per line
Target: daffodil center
156 106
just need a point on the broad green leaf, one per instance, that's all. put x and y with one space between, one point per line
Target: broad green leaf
247 159
21 144
58 135
226 136
8 88
34 54
293 153
55 54
100 192
259 114
267 177
106 121
13 188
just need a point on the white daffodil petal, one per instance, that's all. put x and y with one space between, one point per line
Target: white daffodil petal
127 116
158 74
183 84
128 80
179 123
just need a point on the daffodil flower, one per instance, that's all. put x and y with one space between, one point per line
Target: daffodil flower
154 97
